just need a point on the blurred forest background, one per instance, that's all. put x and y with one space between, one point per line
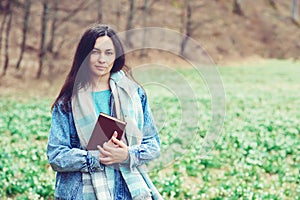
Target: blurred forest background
39 37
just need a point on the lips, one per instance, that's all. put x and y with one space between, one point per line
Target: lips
101 67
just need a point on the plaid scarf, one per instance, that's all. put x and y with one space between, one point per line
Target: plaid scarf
100 185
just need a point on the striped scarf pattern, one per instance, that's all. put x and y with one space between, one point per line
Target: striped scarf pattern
100 184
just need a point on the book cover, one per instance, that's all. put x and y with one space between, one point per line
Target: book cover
104 129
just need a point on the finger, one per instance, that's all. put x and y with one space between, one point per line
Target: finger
104 152
113 136
100 155
109 142
106 160
119 143
108 146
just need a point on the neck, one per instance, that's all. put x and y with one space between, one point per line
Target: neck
101 83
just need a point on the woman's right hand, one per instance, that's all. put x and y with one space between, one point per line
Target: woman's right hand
113 151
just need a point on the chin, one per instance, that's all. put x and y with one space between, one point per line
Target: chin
105 74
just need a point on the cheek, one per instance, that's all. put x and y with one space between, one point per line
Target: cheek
93 59
111 66
111 60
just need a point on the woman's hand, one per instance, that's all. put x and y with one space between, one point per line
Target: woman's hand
113 151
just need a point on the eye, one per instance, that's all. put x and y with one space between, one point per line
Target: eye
109 53
95 52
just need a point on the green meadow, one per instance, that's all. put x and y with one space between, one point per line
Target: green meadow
256 156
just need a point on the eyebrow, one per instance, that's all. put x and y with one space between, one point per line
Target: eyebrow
100 49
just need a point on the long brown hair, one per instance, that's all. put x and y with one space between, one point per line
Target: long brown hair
78 76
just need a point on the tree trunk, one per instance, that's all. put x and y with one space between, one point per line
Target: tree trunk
2 28
273 4
129 22
100 11
188 25
183 18
295 12
50 45
7 33
25 30
118 14
237 9
42 51
143 53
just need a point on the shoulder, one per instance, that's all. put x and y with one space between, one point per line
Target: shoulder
128 83
62 106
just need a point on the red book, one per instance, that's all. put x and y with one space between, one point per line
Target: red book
104 129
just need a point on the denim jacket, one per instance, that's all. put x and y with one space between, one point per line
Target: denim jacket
68 159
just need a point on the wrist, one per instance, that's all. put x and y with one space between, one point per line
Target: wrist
126 161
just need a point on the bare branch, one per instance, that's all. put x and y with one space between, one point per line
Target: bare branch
81 6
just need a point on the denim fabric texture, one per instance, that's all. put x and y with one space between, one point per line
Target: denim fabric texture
69 159
121 191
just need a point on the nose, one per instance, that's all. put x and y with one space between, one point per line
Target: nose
101 58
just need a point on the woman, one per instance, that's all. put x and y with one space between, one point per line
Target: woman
97 83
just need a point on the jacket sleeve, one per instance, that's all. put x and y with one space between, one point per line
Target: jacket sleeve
149 148
63 149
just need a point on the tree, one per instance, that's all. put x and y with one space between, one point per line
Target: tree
144 24
187 10
57 22
3 22
42 50
25 30
118 14
100 11
8 19
50 45
237 9
83 5
130 22
295 17
273 4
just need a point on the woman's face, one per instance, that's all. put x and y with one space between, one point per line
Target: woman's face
102 58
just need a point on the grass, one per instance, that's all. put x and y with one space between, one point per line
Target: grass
256 157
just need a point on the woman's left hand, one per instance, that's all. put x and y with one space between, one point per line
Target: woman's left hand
113 151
